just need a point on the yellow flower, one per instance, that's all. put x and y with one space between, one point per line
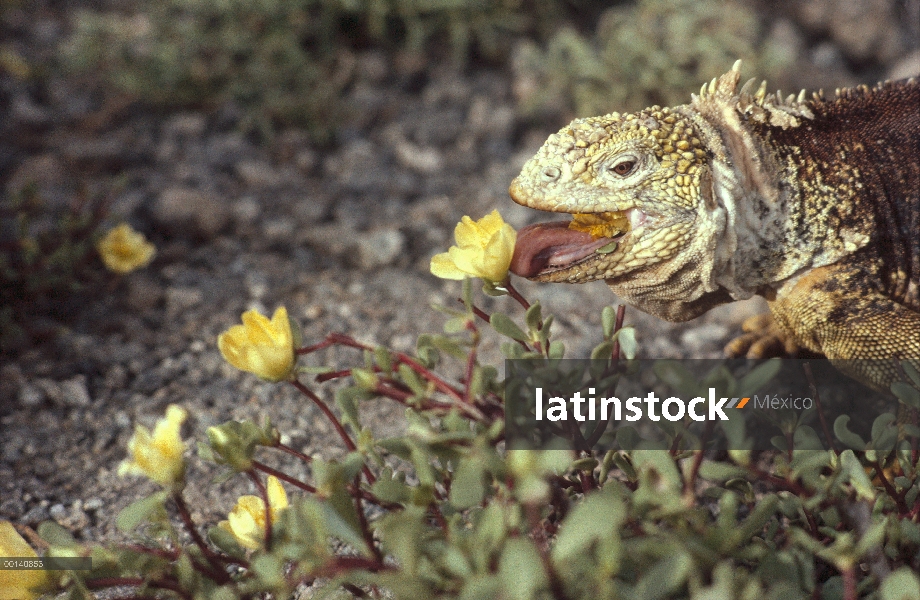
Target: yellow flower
247 519
484 249
27 584
123 250
260 346
158 455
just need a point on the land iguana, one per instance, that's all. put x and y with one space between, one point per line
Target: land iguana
811 202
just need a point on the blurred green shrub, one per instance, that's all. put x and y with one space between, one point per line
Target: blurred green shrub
444 511
282 61
288 62
264 55
652 52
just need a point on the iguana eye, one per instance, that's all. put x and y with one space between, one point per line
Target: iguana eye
624 167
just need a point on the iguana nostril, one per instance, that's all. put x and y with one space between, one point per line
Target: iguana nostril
550 174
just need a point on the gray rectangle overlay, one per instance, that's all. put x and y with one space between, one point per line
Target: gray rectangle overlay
45 563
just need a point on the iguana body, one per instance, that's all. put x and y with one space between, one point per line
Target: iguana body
812 203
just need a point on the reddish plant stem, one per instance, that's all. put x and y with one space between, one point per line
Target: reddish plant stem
322 378
485 317
618 325
263 492
365 528
471 362
478 312
785 484
335 423
217 562
369 497
814 392
403 397
342 564
889 489
437 514
439 383
292 452
614 361
284 477
308 349
555 583
849 583
587 481
354 590
512 291
690 485
158 552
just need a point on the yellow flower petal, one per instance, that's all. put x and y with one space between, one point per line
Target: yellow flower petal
124 250
158 455
467 232
277 497
259 346
247 519
442 266
25 584
484 249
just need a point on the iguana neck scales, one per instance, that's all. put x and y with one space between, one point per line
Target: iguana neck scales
810 202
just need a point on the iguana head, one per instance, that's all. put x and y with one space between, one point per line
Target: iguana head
678 209
639 188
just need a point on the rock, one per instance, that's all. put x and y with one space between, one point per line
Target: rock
180 208
143 293
28 112
225 151
37 514
74 392
93 504
257 173
43 170
245 210
31 395
256 285
418 158
333 239
190 125
358 166
908 66
278 231
484 118
49 389
380 247
703 339
865 29
306 160
11 380
180 299
73 519
372 66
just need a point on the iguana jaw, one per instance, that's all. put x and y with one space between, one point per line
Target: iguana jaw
577 251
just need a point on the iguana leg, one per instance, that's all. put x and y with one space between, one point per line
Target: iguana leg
839 311
762 338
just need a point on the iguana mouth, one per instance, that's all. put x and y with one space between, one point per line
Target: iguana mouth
547 247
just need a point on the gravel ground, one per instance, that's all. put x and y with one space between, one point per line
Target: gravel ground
341 235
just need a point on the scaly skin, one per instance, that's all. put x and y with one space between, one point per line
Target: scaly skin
813 204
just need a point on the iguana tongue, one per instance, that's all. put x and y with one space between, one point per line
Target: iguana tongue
551 244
